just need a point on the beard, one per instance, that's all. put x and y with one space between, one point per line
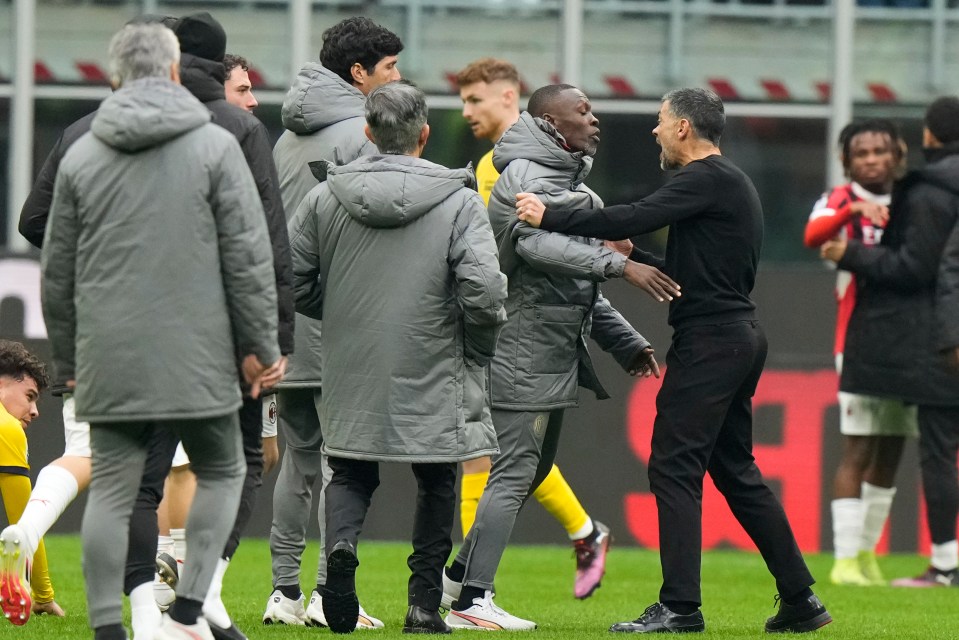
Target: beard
666 163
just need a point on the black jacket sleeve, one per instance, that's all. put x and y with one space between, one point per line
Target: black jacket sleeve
36 208
259 155
913 263
645 257
947 298
688 193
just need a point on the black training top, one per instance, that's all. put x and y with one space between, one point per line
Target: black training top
715 224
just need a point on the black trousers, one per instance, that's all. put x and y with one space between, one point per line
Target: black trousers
938 446
704 424
348 498
141 556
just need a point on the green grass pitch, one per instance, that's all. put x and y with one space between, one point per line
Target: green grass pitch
535 582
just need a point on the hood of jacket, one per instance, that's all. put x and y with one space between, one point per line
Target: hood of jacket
386 191
536 140
147 112
203 78
943 166
319 98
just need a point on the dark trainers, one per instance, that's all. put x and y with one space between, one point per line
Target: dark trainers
420 620
340 604
808 615
659 619
932 577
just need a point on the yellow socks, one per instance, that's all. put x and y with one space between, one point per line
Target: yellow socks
471 490
558 498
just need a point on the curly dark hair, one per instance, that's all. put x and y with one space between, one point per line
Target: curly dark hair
355 40
17 362
874 125
231 61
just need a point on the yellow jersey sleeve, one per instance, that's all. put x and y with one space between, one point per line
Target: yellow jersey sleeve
13 445
486 176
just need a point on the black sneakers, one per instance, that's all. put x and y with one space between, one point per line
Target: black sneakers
808 615
340 604
420 620
659 619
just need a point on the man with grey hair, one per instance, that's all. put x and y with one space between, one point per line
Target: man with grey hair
323 118
148 294
704 408
396 255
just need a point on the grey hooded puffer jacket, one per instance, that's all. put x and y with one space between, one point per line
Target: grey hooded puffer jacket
156 262
397 256
323 118
554 298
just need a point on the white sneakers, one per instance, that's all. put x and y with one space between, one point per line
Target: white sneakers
283 610
170 629
162 593
314 612
484 615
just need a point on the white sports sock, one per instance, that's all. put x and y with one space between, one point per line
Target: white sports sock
166 545
846 527
145 614
55 490
582 532
876 503
213 608
179 543
945 556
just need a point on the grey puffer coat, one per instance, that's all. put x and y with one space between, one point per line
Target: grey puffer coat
323 117
156 262
396 255
554 297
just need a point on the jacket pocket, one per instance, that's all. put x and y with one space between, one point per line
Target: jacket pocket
475 391
553 333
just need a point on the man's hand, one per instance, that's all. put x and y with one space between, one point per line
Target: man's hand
274 374
833 250
252 371
624 247
651 280
877 214
530 209
644 364
50 608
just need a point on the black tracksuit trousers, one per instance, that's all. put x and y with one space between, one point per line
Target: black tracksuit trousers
704 424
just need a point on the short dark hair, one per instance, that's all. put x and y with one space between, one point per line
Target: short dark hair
396 113
703 109
231 61
873 125
942 119
17 362
355 40
487 70
542 99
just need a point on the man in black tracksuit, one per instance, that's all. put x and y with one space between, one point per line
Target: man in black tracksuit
704 409
893 332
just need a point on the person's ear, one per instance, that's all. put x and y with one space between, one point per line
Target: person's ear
424 135
369 133
175 72
358 73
